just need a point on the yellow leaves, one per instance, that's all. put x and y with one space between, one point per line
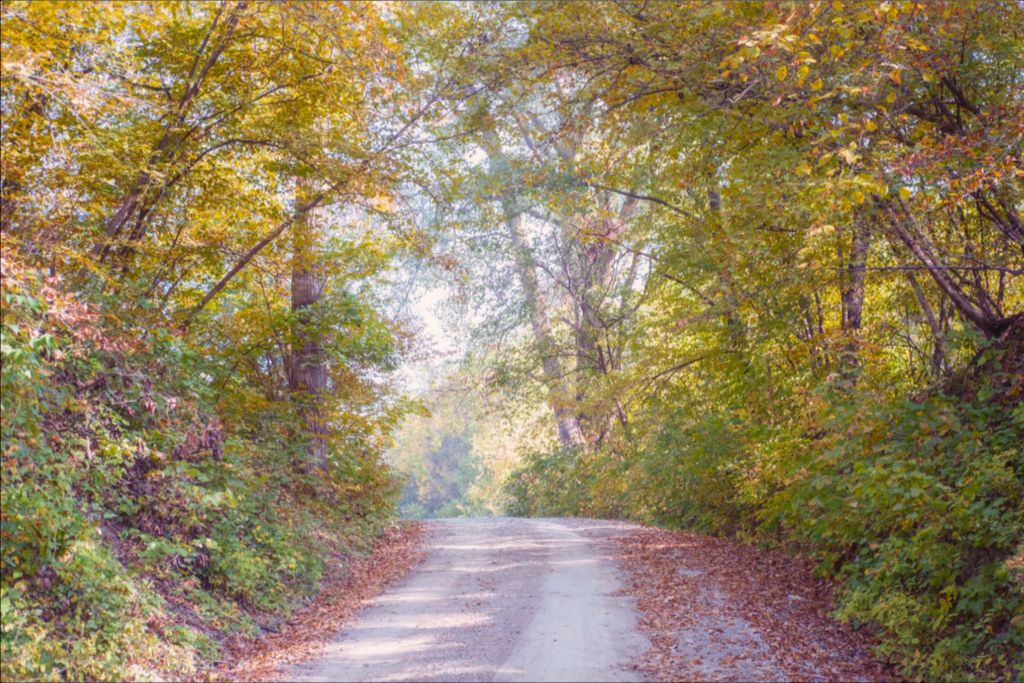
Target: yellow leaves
859 198
817 85
905 193
870 126
801 73
895 77
821 229
750 51
869 185
803 257
781 73
383 203
915 44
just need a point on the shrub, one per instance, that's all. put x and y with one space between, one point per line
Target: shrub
124 490
917 506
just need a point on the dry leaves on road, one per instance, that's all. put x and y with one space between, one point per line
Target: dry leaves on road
311 628
716 609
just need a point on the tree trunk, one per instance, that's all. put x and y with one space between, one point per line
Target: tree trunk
591 256
569 433
735 327
307 367
852 297
939 363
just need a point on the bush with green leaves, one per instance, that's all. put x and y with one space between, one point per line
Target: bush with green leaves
124 490
917 506
548 485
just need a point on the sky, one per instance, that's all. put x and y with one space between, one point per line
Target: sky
439 342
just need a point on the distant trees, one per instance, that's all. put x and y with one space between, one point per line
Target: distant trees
447 472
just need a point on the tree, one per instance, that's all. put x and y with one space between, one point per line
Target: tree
307 368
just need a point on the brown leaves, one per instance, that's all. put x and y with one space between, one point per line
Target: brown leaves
715 609
311 628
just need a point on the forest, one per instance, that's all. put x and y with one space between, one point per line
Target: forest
274 273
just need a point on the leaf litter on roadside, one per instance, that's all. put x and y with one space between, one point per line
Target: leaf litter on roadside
356 581
715 609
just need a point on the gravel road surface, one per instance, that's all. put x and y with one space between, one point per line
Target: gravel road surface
496 600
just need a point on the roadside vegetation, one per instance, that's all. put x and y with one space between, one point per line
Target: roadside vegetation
195 350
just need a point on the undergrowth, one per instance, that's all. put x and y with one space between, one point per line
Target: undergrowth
139 527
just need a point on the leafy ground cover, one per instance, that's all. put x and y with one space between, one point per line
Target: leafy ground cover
791 632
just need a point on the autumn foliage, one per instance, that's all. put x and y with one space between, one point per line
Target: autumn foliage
162 485
749 269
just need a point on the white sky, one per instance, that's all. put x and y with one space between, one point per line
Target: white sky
437 344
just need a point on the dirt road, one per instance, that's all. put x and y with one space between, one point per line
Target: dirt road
496 600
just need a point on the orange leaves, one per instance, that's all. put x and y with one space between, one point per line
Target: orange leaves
716 609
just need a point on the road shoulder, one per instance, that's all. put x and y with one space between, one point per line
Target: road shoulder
716 609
